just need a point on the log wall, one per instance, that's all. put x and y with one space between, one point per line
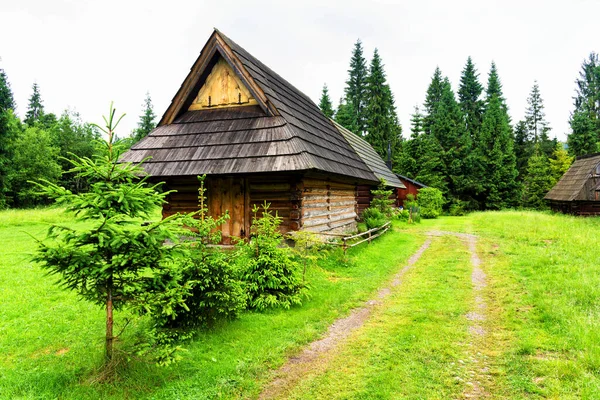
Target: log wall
327 206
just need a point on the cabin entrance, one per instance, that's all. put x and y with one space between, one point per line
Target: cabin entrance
229 194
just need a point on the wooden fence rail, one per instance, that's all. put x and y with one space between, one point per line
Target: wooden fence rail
370 235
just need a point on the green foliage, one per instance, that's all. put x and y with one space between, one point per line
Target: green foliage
373 217
414 211
469 95
560 162
147 121
383 128
35 107
383 199
583 138
538 180
271 275
535 119
34 158
113 260
344 116
431 201
325 103
356 89
214 290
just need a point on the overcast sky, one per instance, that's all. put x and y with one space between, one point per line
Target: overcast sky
84 54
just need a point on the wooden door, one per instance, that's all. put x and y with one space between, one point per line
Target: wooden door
228 195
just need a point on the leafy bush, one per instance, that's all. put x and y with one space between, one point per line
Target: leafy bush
403 215
373 218
414 213
213 288
458 207
431 202
271 275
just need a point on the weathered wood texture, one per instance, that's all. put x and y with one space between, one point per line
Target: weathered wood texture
328 206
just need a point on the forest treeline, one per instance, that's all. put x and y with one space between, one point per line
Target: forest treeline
465 143
42 144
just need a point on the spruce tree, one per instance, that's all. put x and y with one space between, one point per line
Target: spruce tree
35 107
7 106
523 148
535 118
469 95
147 120
585 120
406 162
344 116
494 88
583 139
325 103
356 89
559 162
496 159
382 122
432 100
538 180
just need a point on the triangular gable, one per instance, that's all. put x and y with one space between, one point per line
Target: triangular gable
215 52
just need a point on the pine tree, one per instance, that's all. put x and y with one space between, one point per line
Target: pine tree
469 95
382 121
538 180
147 120
35 108
356 88
7 101
433 99
406 161
325 103
496 159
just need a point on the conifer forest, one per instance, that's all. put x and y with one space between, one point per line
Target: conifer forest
460 140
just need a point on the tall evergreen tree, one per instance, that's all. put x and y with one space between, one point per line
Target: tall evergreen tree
535 118
469 95
406 162
356 89
344 116
494 88
538 180
497 170
585 120
35 107
325 103
147 120
7 106
583 139
523 148
382 121
433 99
559 162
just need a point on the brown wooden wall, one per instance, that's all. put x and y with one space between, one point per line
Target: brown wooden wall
327 205
583 208
411 188
310 203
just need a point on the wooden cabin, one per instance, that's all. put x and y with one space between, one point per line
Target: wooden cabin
411 187
257 138
578 191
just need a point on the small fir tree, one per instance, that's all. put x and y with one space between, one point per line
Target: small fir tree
147 120
538 180
112 260
325 103
559 162
35 107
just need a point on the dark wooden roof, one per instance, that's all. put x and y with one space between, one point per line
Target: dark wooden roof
407 179
573 183
370 157
285 132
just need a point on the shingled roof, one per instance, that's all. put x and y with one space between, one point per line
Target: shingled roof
284 131
370 157
572 184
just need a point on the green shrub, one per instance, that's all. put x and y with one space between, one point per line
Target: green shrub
271 275
458 207
403 215
381 199
430 202
412 206
373 218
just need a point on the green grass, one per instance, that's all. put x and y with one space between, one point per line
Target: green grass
543 321
412 344
52 341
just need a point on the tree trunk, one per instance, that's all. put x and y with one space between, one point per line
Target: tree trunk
109 323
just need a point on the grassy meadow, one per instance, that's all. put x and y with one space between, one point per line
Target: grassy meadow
542 321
